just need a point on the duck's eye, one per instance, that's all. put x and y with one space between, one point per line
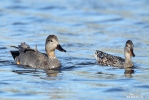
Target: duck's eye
50 40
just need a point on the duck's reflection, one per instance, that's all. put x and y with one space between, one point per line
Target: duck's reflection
52 72
49 73
128 72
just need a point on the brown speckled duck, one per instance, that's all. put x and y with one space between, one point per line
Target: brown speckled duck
35 59
110 60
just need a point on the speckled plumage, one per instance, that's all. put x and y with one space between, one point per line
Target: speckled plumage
35 59
106 59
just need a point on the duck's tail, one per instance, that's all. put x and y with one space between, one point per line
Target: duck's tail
14 54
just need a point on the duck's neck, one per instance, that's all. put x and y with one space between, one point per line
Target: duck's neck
128 62
127 58
51 54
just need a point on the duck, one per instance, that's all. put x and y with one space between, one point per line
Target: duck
35 59
106 59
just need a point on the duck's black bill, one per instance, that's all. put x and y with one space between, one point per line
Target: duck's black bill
60 48
131 53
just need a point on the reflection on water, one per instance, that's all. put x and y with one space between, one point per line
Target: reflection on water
52 72
49 73
82 27
128 72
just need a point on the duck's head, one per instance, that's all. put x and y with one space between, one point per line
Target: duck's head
129 48
52 43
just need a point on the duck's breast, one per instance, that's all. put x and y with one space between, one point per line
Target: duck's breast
52 63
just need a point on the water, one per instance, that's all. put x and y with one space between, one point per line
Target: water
82 26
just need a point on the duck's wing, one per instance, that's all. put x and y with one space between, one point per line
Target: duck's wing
33 59
108 59
23 48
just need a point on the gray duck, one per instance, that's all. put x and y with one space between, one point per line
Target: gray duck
35 59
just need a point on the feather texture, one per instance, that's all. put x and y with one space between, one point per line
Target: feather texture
108 59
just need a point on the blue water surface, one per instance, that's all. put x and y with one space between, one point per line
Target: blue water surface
82 27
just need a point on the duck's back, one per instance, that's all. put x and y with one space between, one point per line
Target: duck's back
108 59
30 58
